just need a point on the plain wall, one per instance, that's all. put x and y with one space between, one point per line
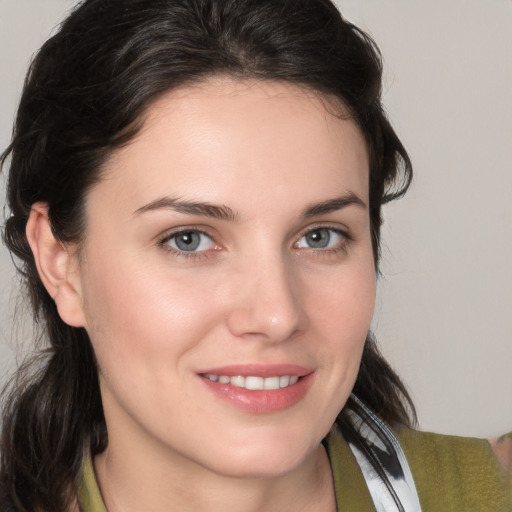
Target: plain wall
445 298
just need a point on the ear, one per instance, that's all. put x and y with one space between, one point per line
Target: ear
57 266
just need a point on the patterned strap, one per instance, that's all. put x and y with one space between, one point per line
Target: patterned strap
382 461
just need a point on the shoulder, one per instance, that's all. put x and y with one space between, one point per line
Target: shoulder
89 496
457 472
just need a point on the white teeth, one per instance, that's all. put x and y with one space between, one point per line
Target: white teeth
271 383
238 381
284 381
254 383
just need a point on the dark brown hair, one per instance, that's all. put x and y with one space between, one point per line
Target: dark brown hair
84 96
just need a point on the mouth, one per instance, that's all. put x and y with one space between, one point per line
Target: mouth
257 388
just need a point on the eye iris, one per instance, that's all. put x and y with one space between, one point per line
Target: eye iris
318 239
187 241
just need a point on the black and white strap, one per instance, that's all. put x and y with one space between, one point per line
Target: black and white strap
382 461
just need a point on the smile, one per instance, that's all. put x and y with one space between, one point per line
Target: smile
258 388
254 383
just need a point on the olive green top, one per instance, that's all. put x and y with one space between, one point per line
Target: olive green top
452 474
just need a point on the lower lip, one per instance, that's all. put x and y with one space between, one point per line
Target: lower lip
261 401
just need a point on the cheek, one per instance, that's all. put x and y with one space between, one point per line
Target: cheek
341 313
344 302
340 307
140 320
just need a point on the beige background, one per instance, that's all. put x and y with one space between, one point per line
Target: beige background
445 298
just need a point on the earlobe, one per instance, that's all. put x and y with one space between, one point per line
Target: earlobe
57 266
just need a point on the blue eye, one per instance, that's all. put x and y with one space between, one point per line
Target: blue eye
190 241
321 238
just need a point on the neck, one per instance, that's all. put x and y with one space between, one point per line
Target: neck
131 482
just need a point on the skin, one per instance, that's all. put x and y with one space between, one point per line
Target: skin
255 292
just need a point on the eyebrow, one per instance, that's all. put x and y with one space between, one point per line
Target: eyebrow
222 212
332 205
213 211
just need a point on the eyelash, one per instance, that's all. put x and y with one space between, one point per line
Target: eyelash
163 242
340 248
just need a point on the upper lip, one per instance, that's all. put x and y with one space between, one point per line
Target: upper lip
258 370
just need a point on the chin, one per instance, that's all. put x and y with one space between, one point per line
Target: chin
260 456
260 466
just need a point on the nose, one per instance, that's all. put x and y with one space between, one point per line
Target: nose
267 303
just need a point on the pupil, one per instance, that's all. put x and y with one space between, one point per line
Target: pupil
188 241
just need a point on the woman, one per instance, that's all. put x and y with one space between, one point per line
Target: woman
195 191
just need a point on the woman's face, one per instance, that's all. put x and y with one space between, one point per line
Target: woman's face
227 277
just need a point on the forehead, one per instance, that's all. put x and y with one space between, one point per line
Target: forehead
229 139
